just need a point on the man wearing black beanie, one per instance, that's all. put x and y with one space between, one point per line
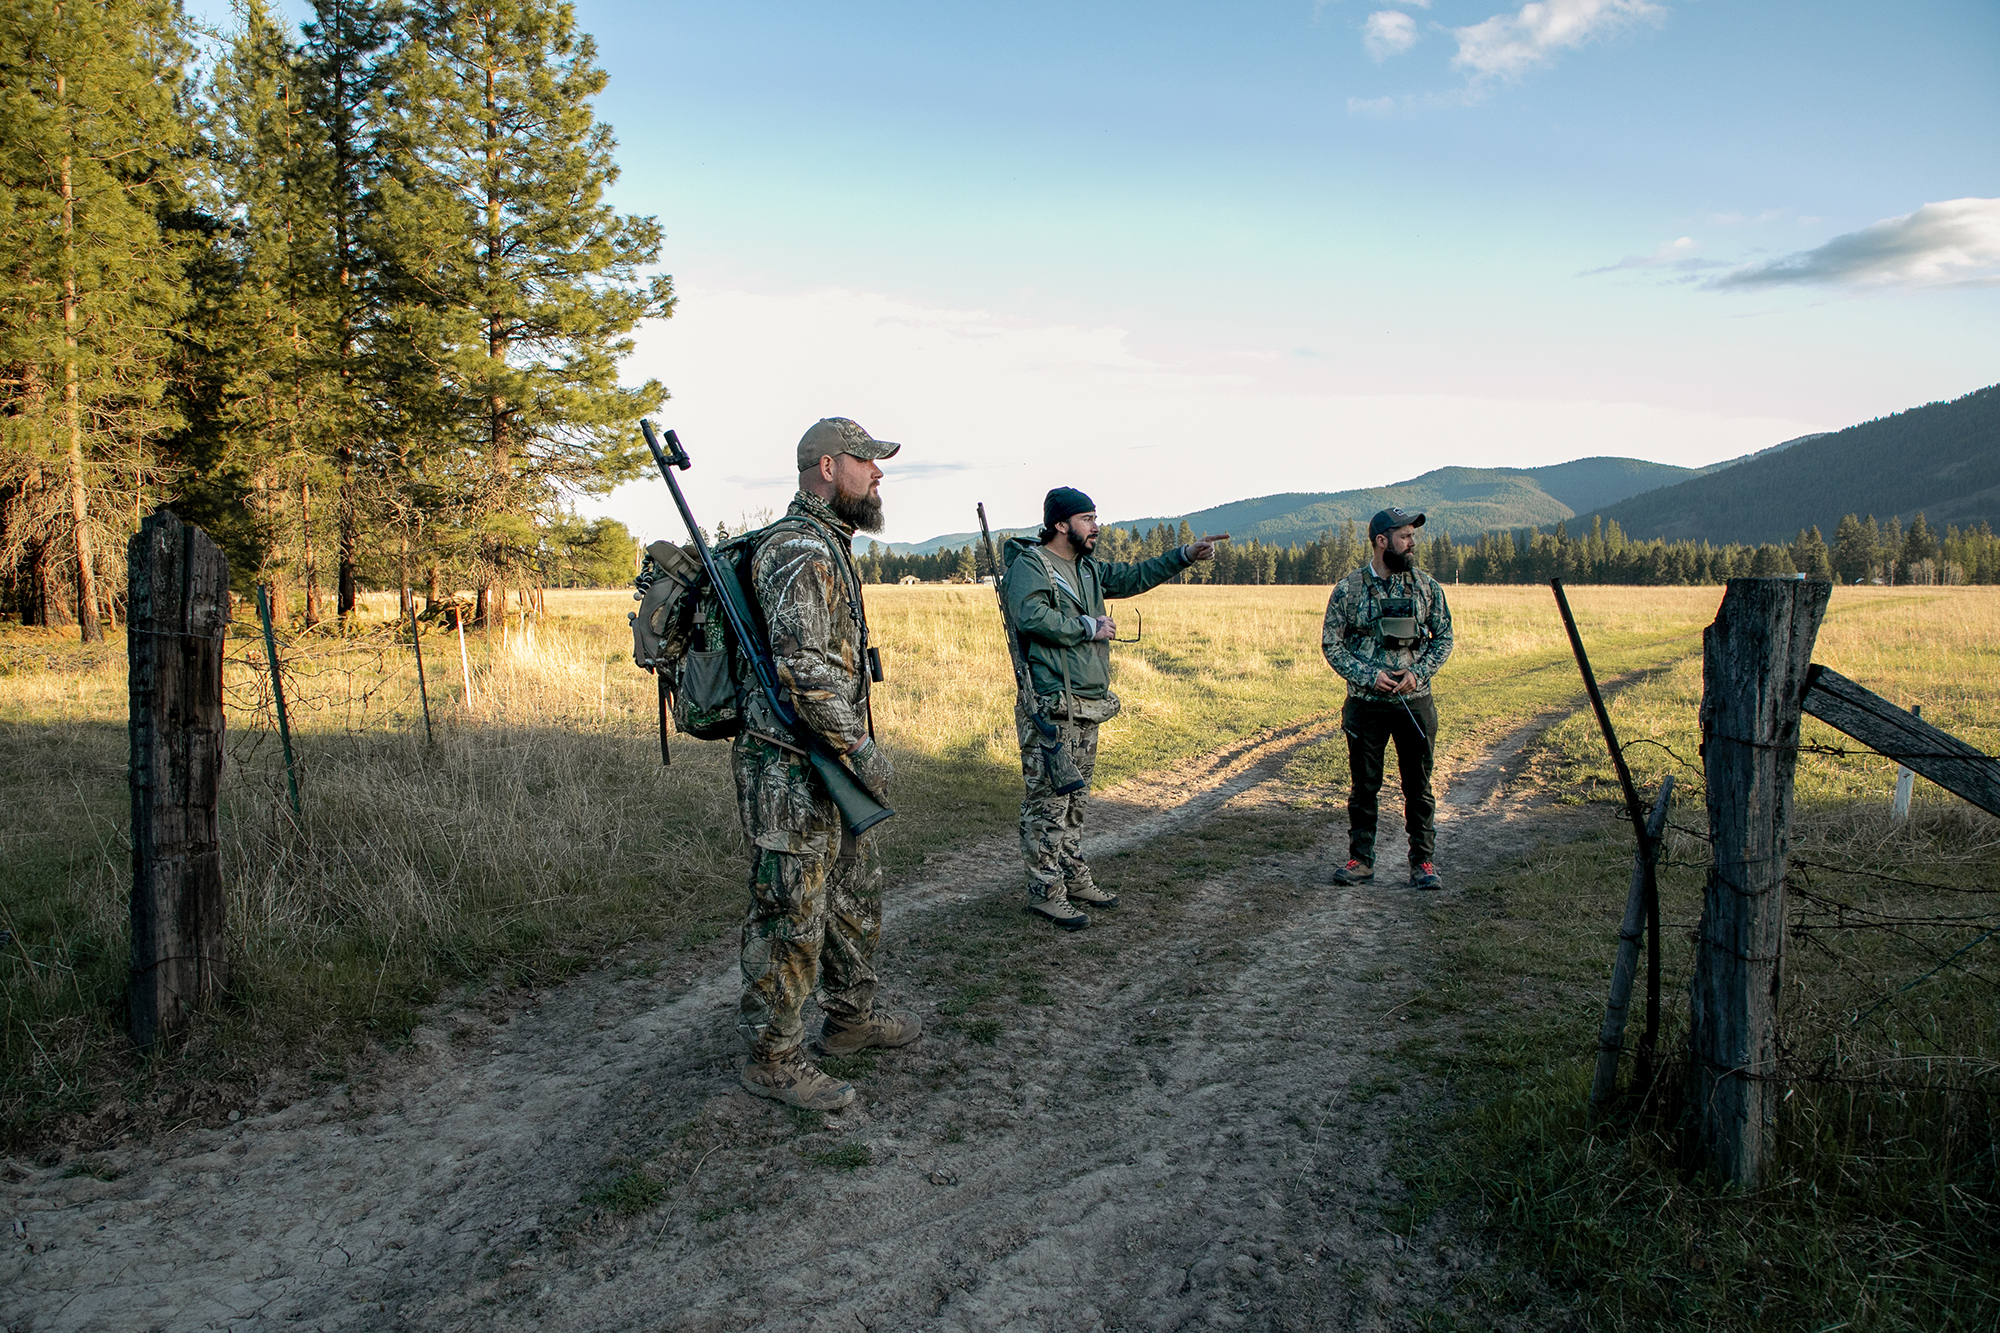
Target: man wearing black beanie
1055 590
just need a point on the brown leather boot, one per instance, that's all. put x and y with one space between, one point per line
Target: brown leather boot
796 1081
894 1028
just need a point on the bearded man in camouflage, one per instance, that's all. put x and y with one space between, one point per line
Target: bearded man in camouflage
1387 632
1055 590
815 889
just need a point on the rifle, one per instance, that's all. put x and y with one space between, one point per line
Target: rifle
1064 777
859 811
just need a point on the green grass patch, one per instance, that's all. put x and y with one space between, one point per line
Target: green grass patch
851 1066
842 1157
629 1193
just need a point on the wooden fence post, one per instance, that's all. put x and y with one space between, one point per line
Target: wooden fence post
177 618
1755 659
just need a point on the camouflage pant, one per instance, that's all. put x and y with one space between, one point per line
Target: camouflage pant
815 902
1052 825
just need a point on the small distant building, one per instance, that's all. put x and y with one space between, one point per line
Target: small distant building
909 580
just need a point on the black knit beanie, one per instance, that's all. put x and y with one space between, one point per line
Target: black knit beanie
1063 502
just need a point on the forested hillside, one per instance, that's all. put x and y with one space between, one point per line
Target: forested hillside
1460 500
347 296
1942 459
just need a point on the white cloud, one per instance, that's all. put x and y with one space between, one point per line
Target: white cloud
1388 32
1678 255
1955 243
998 410
1507 46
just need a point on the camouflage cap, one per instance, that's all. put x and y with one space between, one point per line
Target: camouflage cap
838 435
1391 519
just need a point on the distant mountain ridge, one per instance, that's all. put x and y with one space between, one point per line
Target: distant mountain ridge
1460 500
1942 459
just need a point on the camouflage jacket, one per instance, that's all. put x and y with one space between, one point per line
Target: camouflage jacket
1049 614
1352 649
809 593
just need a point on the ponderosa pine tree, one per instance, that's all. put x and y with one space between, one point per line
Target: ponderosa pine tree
89 287
1810 555
1853 550
285 409
346 64
524 284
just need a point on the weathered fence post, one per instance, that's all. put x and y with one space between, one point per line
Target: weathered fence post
1754 663
178 614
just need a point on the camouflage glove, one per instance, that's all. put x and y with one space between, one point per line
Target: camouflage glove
872 766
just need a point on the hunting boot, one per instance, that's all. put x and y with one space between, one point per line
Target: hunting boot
1424 875
1085 893
894 1028
1354 872
796 1081
1055 907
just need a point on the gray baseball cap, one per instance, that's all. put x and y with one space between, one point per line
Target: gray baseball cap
1391 519
838 435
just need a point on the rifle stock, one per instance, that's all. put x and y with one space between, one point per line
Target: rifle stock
859 811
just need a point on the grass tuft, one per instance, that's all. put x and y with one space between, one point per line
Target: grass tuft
842 1157
628 1194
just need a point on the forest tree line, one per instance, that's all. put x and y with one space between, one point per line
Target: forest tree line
348 297
1862 551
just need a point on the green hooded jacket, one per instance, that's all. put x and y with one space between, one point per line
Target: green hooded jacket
1050 614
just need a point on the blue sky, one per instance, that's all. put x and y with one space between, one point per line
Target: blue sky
1181 254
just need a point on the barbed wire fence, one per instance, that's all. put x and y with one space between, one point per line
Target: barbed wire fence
1891 975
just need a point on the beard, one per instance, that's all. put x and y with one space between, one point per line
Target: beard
1088 544
1398 562
861 512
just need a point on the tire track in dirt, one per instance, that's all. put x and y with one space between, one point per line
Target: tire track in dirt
1195 1134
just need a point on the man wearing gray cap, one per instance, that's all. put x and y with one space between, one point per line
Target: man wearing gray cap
815 889
1387 632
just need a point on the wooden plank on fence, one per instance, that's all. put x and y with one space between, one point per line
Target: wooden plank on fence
1754 663
1903 736
177 618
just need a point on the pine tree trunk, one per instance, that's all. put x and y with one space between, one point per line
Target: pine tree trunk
36 597
348 536
310 571
79 495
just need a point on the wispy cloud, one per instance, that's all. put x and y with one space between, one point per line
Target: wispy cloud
1388 32
1675 256
1954 243
1507 46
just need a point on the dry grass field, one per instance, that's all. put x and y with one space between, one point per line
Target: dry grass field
539 831
538 834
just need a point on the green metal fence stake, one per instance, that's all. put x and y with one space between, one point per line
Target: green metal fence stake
278 693
423 692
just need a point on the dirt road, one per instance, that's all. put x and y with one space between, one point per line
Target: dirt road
1184 1117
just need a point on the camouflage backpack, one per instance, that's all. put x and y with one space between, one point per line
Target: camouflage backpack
680 635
